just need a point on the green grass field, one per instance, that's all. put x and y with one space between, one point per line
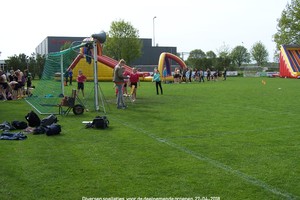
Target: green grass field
234 139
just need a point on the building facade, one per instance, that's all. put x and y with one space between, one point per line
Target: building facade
53 44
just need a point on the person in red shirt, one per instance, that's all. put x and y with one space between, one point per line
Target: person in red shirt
134 80
80 81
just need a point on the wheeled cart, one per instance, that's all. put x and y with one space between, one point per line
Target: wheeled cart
70 103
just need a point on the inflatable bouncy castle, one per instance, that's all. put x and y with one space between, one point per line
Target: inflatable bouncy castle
289 61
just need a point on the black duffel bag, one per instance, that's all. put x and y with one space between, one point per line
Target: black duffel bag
99 122
53 129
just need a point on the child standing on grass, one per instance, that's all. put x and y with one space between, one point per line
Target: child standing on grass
70 76
80 81
156 79
134 80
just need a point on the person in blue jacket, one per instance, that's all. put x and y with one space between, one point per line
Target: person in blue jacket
156 79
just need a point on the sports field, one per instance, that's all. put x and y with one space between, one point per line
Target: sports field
233 139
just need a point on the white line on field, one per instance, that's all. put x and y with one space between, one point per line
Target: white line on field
215 163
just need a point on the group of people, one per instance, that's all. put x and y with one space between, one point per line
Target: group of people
15 84
199 75
122 79
182 76
12 86
210 76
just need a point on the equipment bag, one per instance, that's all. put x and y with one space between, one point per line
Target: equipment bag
33 119
100 122
19 124
53 129
51 119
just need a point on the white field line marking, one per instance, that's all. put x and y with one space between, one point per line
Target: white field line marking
215 163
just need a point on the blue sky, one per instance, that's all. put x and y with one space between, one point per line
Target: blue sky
187 25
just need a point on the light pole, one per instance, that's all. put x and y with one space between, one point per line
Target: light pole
153 31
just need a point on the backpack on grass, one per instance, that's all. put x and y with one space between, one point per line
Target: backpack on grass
19 124
33 119
99 122
51 119
53 129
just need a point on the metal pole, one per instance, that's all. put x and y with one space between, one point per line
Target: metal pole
153 31
96 75
62 74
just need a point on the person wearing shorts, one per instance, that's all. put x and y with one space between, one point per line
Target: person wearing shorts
80 82
134 79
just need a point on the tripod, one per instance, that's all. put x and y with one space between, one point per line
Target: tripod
100 96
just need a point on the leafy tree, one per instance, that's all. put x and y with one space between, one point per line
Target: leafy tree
288 29
13 62
17 62
32 65
222 62
224 58
211 54
196 59
40 63
123 42
22 62
224 51
199 59
240 55
259 53
197 53
211 59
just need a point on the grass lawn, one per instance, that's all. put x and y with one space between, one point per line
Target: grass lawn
234 139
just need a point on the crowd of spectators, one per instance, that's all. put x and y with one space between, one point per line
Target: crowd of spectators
15 84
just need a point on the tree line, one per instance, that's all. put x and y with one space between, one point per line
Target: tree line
232 60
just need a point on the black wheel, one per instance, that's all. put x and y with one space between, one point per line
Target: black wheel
78 109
